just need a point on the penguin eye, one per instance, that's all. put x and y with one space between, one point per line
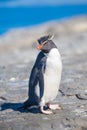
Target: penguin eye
45 43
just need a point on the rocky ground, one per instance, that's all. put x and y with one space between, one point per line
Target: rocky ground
17 55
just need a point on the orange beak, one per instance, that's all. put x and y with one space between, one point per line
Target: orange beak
39 47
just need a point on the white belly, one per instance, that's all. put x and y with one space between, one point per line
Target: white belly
52 75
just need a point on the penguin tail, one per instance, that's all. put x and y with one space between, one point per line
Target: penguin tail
25 105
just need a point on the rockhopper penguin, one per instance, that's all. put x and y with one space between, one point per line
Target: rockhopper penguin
45 76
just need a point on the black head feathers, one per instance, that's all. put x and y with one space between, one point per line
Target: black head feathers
46 43
44 39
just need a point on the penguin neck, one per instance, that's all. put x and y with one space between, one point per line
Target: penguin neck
46 54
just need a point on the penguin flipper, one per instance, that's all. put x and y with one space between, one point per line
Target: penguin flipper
42 68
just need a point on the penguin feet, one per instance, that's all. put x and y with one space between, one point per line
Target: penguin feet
54 106
47 112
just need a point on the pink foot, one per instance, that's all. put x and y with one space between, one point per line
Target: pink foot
54 107
47 112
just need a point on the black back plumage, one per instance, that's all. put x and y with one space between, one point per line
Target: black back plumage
36 77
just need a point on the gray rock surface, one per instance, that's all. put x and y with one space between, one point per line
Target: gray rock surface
17 55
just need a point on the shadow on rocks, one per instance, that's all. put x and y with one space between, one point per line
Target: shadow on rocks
18 107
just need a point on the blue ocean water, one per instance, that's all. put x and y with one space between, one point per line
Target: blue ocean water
28 16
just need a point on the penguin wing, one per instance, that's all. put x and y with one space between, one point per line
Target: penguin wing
33 77
37 71
42 67
37 75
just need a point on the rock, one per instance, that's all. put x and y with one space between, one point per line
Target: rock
82 96
12 79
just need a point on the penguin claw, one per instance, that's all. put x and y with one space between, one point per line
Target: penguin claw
47 112
54 107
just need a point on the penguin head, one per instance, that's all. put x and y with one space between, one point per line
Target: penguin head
46 43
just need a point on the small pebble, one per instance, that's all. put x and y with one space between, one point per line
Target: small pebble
12 79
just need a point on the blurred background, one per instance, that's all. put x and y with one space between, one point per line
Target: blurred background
22 22
26 13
